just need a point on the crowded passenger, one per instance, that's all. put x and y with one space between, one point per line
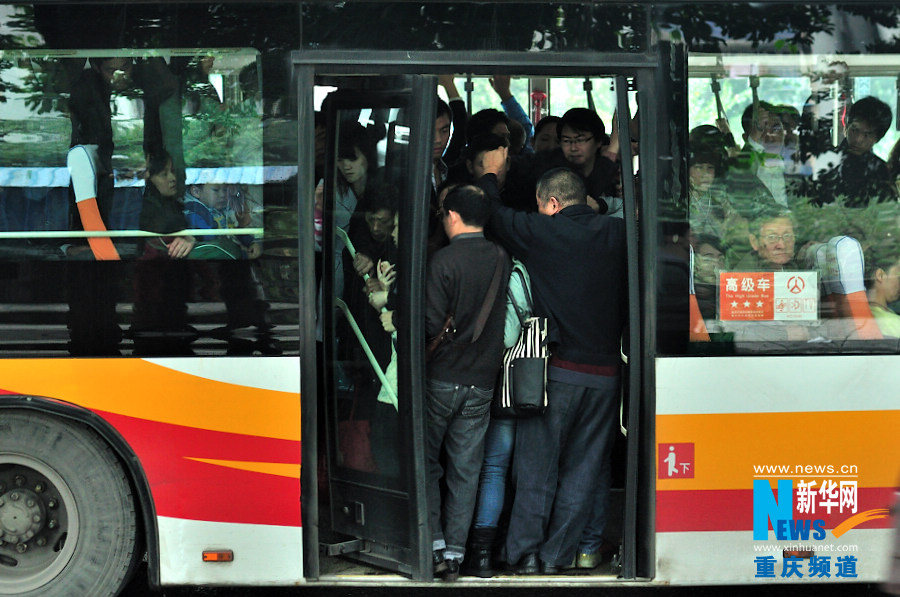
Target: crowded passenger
216 206
357 167
499 442
466 285
711 210
437 238
514 190
794 168
517 141
520 127
883 284
162 287
378 209
772 239
208 206
583 140
545 134
852 173
759 162
709 260
383 297
709 206
561 456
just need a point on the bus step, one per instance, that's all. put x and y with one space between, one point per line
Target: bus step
336 549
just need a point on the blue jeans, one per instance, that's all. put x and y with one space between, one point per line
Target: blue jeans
559 462
592 536
498 451
456 416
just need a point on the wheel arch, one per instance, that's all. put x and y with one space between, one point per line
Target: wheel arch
126 456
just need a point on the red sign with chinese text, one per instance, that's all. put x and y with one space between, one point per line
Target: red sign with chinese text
745 296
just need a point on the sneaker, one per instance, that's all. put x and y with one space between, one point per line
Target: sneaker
588 560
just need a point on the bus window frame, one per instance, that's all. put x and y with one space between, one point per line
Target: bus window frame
657 166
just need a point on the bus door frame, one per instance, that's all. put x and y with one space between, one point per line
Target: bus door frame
411 367
659 169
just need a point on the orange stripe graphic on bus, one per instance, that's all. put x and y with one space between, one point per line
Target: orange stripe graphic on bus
144 389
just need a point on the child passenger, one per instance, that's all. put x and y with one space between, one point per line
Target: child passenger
208 206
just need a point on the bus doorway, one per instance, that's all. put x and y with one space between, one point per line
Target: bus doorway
360 102
371 508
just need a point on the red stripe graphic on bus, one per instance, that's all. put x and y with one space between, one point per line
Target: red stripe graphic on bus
198 474
732 510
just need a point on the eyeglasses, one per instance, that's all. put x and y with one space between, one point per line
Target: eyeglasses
774 238
574 141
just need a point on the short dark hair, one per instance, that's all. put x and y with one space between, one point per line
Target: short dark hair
873 111
447 183
471 203
482 143
708 239
747 116
707 145
882 254
484 121
157 161
564 184
443 109
582 119
545 121
378 197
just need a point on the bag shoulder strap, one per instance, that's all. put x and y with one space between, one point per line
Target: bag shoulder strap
523 305
491 295
522 312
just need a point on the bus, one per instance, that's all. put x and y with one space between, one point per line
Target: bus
185 388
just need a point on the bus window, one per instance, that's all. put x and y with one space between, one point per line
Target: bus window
785 237
154 163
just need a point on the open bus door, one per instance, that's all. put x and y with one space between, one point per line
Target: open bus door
371 505
369 516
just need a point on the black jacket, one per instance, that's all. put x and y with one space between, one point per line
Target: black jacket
459 276
576 260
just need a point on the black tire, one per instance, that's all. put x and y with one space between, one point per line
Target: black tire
67 512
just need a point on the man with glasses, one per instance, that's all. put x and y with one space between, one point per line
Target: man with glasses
582 139
772 239
759 167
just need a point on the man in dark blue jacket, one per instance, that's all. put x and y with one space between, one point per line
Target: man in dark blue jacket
576 260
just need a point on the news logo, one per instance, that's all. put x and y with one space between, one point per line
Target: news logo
780 511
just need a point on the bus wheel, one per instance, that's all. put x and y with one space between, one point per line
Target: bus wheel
67 515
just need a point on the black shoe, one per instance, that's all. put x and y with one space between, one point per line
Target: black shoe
451 573
440 564
478 562
528 564
548 568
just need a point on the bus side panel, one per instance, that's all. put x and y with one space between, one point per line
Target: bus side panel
756 455
263 554
219 442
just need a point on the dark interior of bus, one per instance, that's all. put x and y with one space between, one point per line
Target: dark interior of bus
352 379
